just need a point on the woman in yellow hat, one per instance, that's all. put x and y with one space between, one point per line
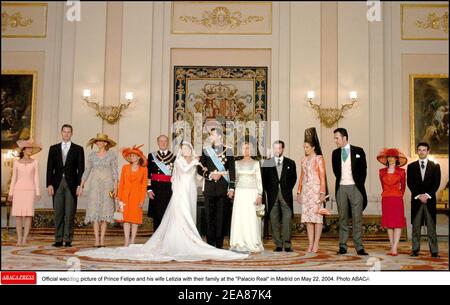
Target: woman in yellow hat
24 190
132 190
102 168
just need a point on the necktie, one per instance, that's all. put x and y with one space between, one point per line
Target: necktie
64 153
344 154
279 167
423 164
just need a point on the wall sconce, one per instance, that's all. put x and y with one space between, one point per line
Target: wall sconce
111 114
330 116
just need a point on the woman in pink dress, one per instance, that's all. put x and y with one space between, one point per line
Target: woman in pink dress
24 190
312 188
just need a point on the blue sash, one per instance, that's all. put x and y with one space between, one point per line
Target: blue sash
162 166
217 162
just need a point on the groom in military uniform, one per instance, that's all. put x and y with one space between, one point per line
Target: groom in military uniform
219 186
159 189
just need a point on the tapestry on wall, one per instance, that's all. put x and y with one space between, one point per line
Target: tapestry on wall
234 98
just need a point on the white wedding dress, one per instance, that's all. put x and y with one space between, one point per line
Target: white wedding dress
245 233
177 237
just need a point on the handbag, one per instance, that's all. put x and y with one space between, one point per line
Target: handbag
260 210
111 194
323 210
118 214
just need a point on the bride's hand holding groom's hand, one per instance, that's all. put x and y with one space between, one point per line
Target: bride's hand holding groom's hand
258 200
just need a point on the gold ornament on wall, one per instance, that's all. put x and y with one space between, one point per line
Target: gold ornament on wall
330 116
222 17
434 22
15 20
110 114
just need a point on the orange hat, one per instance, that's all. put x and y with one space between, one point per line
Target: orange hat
392 152
127 151
29 144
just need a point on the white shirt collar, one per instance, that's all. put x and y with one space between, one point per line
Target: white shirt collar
163 151
68 143
425 161
347 146
279 158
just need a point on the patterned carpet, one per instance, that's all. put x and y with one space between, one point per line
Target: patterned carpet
40 255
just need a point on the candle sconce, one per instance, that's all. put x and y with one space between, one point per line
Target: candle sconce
330 116
109 113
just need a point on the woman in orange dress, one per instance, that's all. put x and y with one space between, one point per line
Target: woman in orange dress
132 191
393 181
24 190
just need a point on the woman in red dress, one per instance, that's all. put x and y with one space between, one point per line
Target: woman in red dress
393 181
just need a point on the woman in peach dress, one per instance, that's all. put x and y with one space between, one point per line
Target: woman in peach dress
312 188
24 190
132 191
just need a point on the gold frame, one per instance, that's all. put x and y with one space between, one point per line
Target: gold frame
411 110
221 33
44 35
402 6
33 96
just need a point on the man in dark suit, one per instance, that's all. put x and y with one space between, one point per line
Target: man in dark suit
350 169
423 178
219 188
159 189
279 175
65 168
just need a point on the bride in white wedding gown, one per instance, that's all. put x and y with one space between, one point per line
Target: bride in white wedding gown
177 237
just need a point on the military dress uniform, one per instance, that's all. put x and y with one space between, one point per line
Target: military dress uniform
160 184
217 203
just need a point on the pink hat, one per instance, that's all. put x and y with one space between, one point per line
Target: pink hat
29 143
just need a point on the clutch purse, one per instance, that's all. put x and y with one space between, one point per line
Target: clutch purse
118 214
323 210
260 210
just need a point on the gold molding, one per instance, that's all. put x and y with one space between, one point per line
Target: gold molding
41 4
14 20
411 111
33 95
221 17
434 22
403 6
222 3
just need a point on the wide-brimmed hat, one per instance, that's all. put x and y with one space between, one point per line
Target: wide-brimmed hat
29 144
128 151
102 137
392 152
